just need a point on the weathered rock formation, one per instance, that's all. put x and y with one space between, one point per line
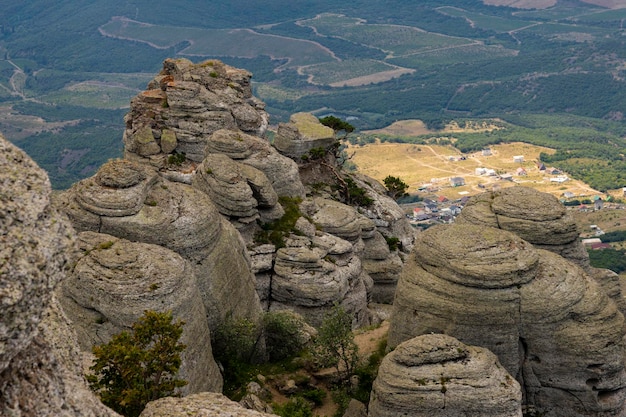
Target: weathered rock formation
129 200
542 220
184 104
552 327
303 133
40 371
115 281
436 375
246 178
205 404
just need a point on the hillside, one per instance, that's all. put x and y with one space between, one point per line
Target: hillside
63 100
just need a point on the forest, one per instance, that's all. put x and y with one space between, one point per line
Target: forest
460 59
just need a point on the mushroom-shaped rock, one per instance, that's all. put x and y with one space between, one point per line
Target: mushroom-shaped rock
536 217
116 280
202 404
542 220
549 323
436 375
39 370
303 133
336 218
183 219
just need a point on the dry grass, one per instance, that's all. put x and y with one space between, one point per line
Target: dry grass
422 164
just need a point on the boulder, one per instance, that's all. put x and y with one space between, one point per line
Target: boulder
177 217
202 404
40 371
550 324
115 281
303 133
436 375
542 220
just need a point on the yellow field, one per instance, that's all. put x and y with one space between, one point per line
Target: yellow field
418 165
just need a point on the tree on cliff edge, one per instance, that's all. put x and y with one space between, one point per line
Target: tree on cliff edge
136 368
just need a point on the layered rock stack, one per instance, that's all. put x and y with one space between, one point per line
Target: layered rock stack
199 124
40 368
436 375
539 218
552 326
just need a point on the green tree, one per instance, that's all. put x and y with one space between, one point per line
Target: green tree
141 366
334 345
396 188
337 124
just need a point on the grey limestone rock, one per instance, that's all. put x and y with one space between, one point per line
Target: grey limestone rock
115 281
542 220
551 325
436 375
303 133
182 219
205 404
40 373
185 104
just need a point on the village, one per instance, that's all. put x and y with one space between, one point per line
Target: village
438 205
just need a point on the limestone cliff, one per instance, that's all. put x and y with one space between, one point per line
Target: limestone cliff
40 368
551 325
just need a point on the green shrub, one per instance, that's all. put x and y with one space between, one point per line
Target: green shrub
138 367
282 338
295 407
315 395
176 158
334 344
393 243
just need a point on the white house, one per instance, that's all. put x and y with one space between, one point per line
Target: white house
518 158
480 171
559 179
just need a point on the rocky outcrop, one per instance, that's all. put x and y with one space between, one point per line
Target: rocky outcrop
115 281
176 216
184 104
202 404
550 324
303 133
436 375
542 220
40 373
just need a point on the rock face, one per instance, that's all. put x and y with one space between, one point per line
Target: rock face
436 375
176 216
39 371
542 220
184 104
202 404
550 324
303 133
327 258
115 281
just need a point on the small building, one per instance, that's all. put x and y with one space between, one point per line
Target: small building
520 171
598 204
442 199
541 166
600 246
554 171
506 177
457 181
591 241
486 152
569 194
559 179
482 171
518 159
490 172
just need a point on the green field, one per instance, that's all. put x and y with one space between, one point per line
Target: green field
376 62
